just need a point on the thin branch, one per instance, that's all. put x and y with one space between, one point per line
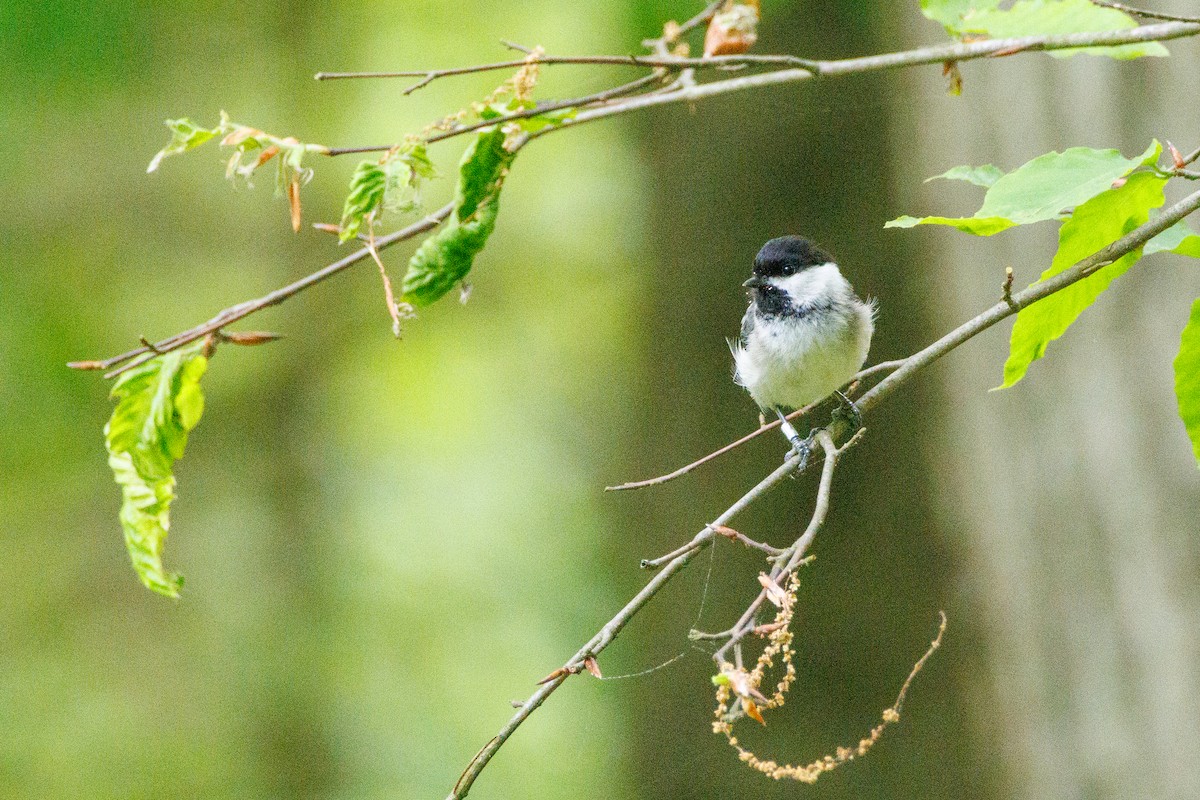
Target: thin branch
1140 12
670 476
839 428
242 310
541 108
669 62
721 530
883 366
736 536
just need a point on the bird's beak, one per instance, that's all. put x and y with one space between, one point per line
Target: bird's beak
754 282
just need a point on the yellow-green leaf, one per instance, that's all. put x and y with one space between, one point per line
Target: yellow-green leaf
1094 225
1039 17
158 402
1187 378
1179 239
1045 188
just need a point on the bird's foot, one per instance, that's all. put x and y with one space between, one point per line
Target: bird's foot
800 446
849 412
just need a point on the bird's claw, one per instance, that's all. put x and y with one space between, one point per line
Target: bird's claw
849 412
801 448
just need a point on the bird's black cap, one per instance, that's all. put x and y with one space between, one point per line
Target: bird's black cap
788 255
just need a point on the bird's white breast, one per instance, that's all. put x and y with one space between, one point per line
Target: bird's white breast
791 361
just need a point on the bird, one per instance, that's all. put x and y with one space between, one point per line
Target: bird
805 333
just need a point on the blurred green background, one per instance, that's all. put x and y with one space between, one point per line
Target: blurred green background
385 542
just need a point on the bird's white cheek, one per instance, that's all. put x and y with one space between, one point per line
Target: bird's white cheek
813 283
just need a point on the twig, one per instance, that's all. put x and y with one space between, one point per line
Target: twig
389 296
1140 12
731 534
917 667
883 366
715 454
1038 291
839 428
722 530
695 22
669 62
542 108
242 310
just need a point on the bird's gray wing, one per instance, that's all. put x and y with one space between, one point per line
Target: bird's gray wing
747 324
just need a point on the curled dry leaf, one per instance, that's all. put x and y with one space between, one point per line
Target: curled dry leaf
733 30
950 69
210 344
769 628
741 684
726 531
775 592
752 711
250 338
590 664
1176 157
293 191
561 672
266 155
241 134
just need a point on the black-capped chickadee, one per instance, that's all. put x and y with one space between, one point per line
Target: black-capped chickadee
805 334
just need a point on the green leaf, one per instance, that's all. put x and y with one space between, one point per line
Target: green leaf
1187 378
185 135
388 185
445 258
158 402
417 158
1179 239
547 119
1094 225
1045 188
979 226
1039 17
367 188
985 175
951 12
